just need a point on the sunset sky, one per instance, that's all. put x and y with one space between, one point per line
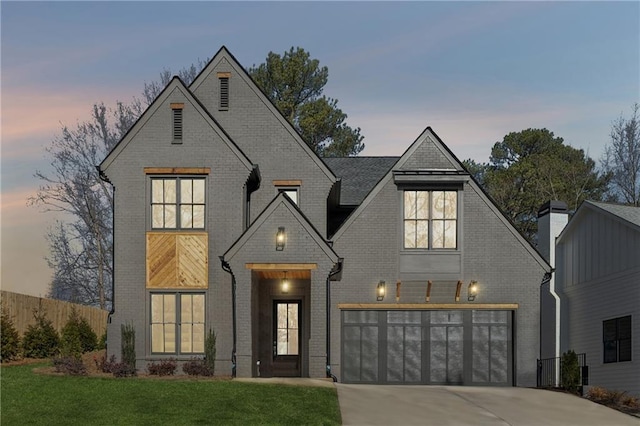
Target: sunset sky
473 71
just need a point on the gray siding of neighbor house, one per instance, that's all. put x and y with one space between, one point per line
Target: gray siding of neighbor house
267 139
151 145
598 269
489 252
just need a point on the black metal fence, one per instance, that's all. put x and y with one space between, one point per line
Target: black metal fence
550 372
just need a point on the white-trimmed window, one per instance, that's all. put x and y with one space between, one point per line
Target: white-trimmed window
291 192
430 219
178 203
177 323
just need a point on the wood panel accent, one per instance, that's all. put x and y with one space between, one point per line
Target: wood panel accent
177 105
177 170
287 182
429 306
177 260
278 275
223 74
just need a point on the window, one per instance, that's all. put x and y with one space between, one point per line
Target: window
291 193
430 219
616 337
177 203
287 328
177 323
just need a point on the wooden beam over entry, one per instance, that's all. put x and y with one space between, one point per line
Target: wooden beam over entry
429 306
276 270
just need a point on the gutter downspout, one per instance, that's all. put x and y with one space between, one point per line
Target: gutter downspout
335 271
227 268
104 178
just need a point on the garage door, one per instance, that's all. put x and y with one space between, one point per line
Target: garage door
454 347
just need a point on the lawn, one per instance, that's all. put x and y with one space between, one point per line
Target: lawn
29 398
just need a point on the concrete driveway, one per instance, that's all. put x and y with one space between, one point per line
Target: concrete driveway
458 405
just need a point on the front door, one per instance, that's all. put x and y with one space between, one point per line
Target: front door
286 338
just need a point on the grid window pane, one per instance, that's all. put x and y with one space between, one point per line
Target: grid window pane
430 219
409 204
198 191
166 332
186 191
422 205
169 191
287 328
186 216
177 203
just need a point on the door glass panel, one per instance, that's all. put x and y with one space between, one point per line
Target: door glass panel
287 328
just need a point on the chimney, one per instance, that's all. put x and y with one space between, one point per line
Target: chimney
552 218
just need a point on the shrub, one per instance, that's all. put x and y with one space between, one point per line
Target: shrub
128 345
210 351
197 367
165 367
105 365
570 371
10 348
69 365
102 342
40 340
122 369
78 334
614 399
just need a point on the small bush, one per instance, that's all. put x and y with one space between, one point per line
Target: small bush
210 351
78 334
122 369
197 367
105 365
69 365
128 345
10 348
40 340
570 373
165 367
102 342
615 399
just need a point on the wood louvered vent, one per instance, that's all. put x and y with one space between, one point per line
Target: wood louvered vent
224 93
177 125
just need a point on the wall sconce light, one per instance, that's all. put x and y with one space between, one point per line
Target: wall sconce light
380 291
427 298
281 239
472 291
285 284
398 284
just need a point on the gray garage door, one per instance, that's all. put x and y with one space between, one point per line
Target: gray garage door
455 347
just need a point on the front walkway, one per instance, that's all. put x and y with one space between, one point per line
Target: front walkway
457 405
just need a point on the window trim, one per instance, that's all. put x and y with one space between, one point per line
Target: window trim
430 219
178 322
178 201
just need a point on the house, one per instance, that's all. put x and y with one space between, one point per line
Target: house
597 284
368 270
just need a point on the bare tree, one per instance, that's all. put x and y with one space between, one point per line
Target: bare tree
81 245
622 159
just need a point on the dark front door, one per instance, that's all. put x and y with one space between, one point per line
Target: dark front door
286 338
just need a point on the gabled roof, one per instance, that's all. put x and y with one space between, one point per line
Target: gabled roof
223 52
458 168
175 83
281 199
359 175
626 215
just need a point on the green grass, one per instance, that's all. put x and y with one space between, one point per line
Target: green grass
29 398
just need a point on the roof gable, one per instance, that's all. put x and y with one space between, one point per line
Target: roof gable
428 154
284 204
628 216
223 55
175 84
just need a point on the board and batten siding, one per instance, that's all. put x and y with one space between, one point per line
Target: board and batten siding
598 267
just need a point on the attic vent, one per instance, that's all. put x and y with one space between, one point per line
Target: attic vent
224 90
177 122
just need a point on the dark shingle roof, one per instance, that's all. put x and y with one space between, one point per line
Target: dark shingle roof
359 175
629 213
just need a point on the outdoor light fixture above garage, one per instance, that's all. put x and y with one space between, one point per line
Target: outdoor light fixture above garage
472 291
380 291
281 238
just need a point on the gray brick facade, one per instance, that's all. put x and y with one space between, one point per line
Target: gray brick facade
233 144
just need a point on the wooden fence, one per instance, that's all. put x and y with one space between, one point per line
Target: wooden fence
20 308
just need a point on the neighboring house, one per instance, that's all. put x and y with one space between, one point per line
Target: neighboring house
374 270
597 280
